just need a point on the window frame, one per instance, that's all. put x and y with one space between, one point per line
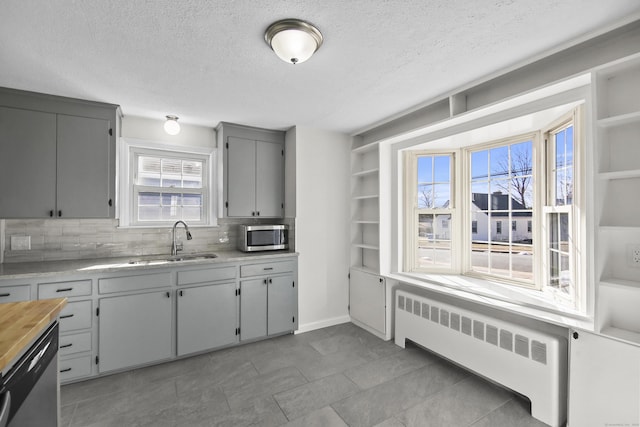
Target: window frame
466 270
413 213
129 151
575 225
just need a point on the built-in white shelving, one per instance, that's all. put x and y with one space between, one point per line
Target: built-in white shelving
367 289
617 126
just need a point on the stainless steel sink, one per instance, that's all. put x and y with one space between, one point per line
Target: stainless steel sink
172 258
190 257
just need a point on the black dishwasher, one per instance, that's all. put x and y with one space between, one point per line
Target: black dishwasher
29 391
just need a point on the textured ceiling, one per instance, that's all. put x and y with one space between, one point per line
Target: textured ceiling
206 61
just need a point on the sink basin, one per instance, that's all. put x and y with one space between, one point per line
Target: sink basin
172 258
191 257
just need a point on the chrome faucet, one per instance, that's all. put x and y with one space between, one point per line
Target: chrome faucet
174 247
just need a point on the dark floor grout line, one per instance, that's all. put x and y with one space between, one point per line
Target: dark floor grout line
490 412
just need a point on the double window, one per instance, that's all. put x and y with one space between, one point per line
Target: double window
514 218
164 186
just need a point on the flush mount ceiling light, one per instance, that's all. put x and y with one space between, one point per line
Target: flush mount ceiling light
293 40
171 126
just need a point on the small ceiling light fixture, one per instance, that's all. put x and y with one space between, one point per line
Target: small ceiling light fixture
293 40
171 126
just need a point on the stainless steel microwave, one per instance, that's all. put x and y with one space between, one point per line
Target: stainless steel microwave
263 238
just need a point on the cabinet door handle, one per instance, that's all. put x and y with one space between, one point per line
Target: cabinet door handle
168 294
180 293
59 213
66 345
270 281
51 214
64 290
264 281
65 370
5 295
258 213
66 316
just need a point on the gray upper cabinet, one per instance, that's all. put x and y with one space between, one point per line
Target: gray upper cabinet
59 156
253 165
27 163
83 167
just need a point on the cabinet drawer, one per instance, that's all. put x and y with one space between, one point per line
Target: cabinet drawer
76 315
134 283
14 293
266 268
206 275
75 343
75 288
74 368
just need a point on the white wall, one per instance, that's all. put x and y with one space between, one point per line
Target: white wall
152 130
322 209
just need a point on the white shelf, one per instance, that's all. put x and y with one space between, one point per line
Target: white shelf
622 119
364 246
619 283
365 173
364 269
365 148
633 173
365 221
611 227
369 196
622 334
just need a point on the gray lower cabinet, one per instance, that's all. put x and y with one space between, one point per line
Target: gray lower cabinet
268 304
253 309
281 304
206 317
134 330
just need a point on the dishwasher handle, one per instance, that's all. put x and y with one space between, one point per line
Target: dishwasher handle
5 405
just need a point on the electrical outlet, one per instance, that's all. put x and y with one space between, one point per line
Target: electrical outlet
20 243
633 255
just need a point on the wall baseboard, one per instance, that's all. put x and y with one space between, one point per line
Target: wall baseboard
307 327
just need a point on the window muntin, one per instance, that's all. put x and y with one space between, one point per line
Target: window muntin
167 187
502 194
431 206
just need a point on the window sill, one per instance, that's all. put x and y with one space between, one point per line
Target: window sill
526 302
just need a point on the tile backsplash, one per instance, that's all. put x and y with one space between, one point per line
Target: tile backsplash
64 239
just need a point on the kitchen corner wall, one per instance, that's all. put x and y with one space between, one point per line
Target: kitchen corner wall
63 239
322 203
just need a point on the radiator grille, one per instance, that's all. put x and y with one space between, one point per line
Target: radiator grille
503 338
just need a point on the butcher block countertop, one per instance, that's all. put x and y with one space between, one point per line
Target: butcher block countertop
22 322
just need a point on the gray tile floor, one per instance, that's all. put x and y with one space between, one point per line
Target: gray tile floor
337 376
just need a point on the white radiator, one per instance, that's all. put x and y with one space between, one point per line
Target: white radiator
531 363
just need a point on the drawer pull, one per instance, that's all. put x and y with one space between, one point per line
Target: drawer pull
66 345
64 290
66 316
268 268
5 295
65 370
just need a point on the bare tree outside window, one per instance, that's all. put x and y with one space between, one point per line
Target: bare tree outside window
518 165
